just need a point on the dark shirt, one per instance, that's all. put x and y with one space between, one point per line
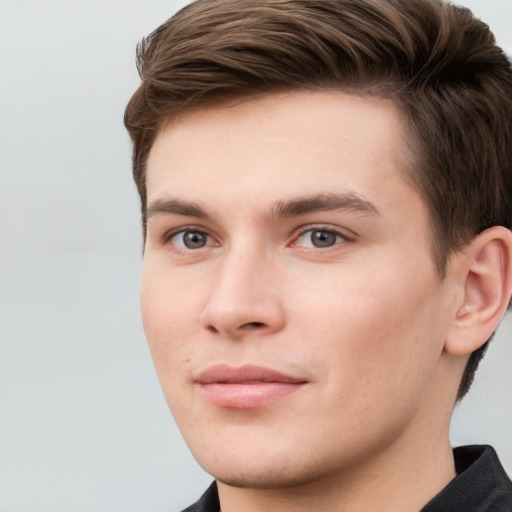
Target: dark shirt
481 485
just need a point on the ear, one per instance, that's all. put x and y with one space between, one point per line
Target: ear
484 272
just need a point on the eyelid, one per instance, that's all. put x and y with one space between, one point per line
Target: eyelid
168 235
348 235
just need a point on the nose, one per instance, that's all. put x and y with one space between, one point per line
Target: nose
244 297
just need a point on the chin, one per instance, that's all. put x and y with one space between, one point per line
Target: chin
260 472
264 478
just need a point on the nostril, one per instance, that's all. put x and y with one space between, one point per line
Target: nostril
243 327
254 324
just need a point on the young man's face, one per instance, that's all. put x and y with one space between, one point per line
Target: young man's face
289 292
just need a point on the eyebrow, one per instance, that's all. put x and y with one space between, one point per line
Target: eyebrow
283 208
177 207
321 203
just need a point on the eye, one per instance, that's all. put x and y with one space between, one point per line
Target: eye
190 240
319 238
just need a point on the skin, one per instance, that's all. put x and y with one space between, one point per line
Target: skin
363 322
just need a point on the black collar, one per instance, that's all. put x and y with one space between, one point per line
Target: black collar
481 484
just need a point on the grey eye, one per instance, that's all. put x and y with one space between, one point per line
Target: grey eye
323 238
319 238
194 239
188 239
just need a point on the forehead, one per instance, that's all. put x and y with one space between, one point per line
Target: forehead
280 145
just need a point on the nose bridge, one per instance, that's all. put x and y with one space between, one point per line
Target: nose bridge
244 296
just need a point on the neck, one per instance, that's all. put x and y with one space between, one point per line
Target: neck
402 477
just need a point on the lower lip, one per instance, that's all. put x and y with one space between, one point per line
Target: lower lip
247 396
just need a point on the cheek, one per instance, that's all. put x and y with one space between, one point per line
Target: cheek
376 329
169 318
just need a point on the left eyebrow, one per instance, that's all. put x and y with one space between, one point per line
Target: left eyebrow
351 202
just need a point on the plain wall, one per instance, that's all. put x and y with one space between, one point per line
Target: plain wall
84 426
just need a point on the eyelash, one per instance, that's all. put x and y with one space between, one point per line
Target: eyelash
167 237
323 228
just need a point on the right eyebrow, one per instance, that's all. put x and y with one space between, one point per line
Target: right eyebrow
175 206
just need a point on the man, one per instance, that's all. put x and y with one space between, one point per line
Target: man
326 197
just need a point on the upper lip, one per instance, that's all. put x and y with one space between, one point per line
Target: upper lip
246 374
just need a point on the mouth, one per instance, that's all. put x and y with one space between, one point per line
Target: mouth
245 387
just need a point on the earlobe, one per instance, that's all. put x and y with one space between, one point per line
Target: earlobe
485 271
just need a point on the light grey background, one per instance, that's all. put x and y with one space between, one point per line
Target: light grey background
84 426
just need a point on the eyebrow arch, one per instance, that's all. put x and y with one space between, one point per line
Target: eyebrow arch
321 203
175 206
284 208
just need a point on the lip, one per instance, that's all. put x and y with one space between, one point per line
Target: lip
245 387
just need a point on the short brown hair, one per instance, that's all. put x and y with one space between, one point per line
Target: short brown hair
437 63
